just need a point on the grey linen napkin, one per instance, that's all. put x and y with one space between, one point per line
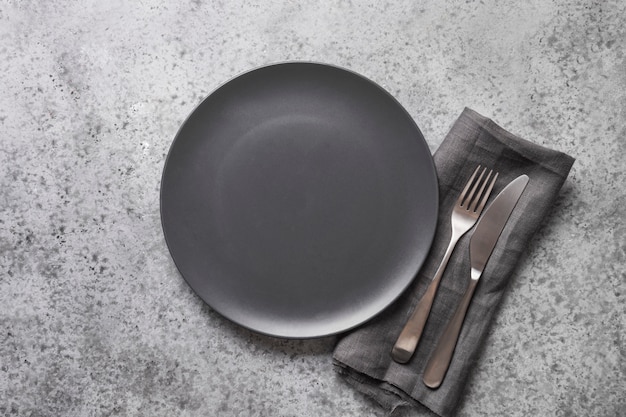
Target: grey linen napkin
363 355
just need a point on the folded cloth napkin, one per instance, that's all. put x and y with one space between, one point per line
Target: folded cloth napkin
363 355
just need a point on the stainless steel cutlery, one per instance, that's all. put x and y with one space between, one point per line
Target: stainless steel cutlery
466 211
483 241
465 214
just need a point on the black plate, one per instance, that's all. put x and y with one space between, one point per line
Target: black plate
299 200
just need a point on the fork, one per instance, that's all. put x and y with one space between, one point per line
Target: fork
466 211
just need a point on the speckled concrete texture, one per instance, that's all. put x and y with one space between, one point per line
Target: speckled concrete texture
96 321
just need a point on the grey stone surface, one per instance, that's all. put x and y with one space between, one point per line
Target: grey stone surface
94 318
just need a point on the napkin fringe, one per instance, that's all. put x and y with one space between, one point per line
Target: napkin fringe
388 396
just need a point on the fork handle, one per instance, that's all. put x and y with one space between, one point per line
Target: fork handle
412 332
438 364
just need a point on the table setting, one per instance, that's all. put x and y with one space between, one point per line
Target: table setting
288 212
261 218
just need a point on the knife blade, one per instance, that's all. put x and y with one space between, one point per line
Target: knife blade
490 226
482 243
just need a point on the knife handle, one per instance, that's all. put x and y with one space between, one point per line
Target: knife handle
412 332
440 360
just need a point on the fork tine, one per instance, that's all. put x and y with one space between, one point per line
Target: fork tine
476 198
470 197
480 207
459 201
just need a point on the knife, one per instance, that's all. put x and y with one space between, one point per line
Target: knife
483 241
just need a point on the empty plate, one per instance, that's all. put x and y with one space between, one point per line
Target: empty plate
299 200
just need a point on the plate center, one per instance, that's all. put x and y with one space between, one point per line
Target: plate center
298 191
